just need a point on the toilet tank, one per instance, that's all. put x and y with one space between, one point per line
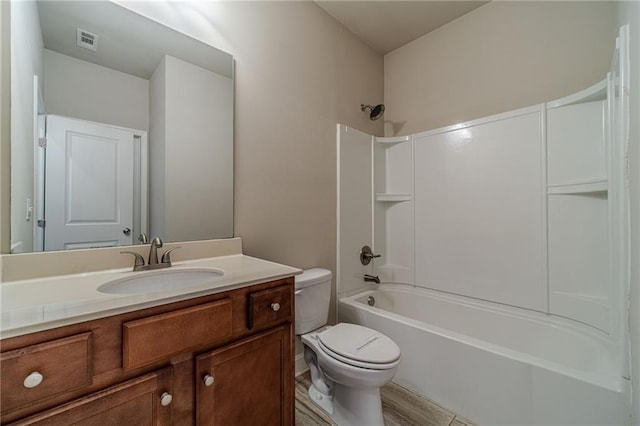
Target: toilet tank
313 296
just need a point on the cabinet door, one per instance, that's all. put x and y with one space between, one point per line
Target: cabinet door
247 383
134 402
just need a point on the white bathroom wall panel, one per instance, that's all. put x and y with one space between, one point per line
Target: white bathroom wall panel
575 143
380 208
398 164
393 211
479 209
354 208
397 264
579 280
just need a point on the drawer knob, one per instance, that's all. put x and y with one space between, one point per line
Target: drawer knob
208 380
275 306
33 380
165 399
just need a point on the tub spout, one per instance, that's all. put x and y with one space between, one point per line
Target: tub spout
371 278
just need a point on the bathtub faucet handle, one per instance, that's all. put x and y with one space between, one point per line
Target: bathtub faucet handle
366 255
371 278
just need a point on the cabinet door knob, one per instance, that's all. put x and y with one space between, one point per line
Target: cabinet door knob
165 399
275 306
208 380
33 380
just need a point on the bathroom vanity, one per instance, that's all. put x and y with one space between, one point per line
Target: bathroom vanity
221 353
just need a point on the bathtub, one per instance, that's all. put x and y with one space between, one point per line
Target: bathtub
494 364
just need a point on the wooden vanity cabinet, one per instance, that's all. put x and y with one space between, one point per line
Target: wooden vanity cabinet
137 402
222 359
245 383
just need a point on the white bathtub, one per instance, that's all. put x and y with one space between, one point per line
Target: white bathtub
494 364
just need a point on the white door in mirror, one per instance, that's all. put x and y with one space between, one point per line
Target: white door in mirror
89 179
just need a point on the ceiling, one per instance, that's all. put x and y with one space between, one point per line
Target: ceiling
126 41
387 25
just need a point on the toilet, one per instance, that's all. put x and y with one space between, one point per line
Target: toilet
348 363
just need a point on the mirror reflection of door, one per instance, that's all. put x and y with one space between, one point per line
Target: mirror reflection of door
91 174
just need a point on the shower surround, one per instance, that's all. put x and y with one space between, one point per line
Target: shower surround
507 237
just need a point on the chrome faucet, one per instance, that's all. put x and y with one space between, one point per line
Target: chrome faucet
371 278
156 243
152 263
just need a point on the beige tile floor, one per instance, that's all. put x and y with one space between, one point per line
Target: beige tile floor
400 406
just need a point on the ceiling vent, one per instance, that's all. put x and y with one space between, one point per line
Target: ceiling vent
87 40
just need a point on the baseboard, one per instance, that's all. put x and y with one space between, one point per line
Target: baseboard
301 365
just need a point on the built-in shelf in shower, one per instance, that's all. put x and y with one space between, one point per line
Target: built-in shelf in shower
596 186
392 197
392 139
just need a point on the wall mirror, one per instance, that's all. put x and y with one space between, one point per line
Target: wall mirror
120 126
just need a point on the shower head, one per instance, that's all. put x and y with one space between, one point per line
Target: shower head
376 111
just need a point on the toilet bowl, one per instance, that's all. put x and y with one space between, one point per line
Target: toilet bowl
348 363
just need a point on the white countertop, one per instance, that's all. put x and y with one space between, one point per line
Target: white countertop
39 304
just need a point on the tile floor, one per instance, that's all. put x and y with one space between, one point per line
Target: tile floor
400 406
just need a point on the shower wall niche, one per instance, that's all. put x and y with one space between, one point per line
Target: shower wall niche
579 212
393 208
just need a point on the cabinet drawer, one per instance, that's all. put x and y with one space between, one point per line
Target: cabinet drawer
134 402
161 336
51 368
268 307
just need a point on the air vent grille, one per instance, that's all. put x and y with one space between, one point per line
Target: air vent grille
87 40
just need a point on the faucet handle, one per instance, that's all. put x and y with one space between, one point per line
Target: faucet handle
366 255
139 261
166 256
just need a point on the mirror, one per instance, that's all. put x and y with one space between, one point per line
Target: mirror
120 127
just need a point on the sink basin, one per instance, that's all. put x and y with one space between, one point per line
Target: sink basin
158 281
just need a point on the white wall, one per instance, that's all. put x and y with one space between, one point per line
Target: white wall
629 13
157 142
502 56
190 147
80 89
199 144
26 61
5 125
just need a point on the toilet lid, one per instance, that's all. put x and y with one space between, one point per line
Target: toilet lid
360 344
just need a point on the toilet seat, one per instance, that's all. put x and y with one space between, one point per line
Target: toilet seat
359 346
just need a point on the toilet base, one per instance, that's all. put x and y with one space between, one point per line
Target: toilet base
320 400
349 406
